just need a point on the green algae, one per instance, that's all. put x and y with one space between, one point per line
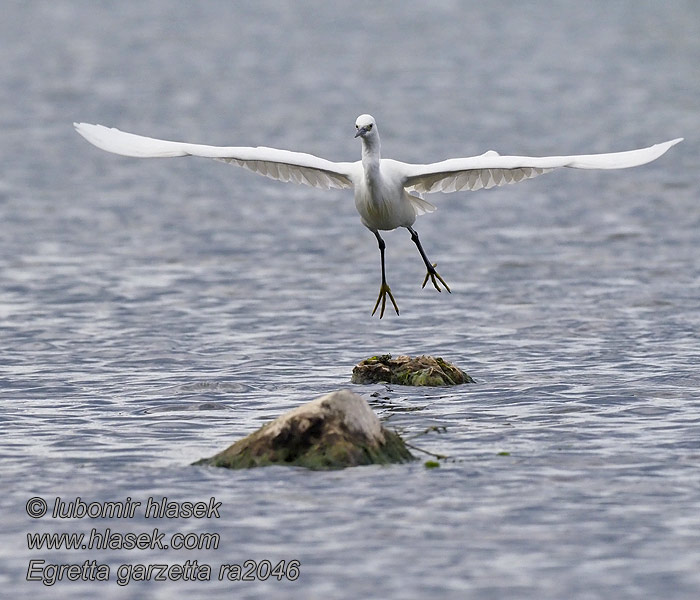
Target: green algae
404 370
328 452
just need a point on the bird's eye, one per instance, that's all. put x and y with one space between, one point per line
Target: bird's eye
357 126
369 126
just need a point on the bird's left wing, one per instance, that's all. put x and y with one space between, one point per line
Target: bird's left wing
282 165
491 169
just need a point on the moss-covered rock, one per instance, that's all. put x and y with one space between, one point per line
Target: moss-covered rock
404 370
332 432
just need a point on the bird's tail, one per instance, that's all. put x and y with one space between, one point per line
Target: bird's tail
420 206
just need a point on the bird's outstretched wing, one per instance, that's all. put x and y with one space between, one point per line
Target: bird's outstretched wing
282 165
491 169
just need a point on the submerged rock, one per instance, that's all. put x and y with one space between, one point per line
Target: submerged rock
404 370
334 431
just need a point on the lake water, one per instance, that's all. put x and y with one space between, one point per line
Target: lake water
152 312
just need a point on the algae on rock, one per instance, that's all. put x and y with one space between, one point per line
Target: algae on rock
332 432
404 370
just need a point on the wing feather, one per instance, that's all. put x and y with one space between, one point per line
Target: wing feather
491 169
282 165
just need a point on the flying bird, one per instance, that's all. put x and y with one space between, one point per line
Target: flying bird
387 192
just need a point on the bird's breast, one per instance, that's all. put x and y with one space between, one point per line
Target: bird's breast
382 205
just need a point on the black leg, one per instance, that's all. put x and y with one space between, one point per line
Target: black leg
384 290
432 273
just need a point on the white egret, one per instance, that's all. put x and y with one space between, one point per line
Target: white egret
386 191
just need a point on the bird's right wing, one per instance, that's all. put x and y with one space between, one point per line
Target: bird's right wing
282 165
491 169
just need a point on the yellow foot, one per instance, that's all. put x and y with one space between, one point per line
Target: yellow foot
385 290
433 274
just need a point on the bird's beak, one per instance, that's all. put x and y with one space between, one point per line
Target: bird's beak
361 132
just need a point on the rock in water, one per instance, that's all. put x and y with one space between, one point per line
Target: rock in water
404 370
334 431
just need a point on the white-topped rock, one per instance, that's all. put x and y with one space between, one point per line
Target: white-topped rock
334 431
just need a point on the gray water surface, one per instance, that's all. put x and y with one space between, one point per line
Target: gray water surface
152 312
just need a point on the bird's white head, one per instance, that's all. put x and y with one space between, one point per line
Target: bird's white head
366 127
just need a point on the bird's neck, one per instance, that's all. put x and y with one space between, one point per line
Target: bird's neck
371 156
